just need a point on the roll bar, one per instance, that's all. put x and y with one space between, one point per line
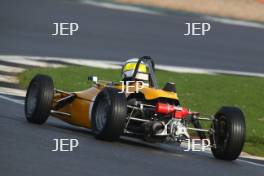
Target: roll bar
151 65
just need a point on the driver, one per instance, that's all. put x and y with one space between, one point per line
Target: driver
129 68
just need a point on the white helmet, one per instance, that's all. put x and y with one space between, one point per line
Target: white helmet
129 69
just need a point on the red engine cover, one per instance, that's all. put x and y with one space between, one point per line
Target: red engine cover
179 114
163 108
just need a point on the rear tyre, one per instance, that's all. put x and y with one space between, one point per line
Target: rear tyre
109 114
39 99
230 132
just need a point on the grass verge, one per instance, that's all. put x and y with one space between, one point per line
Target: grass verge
202 93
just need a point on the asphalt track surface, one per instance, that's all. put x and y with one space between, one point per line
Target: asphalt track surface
26 150
26 28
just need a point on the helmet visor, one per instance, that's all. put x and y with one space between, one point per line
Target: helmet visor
132 66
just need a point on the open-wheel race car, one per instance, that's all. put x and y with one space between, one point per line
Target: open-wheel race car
135 107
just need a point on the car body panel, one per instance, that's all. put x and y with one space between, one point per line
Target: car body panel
152 93
80 109
149 92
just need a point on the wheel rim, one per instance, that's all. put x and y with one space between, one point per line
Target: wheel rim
222 134
32 99
101 114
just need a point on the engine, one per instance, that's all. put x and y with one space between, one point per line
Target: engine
157 120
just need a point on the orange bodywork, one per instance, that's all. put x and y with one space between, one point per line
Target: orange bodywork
80 108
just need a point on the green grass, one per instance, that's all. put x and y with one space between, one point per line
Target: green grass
203 93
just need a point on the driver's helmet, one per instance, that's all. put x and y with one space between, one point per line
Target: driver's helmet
129 68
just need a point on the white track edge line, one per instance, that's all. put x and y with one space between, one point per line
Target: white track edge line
235 22
21 102
117 64
241 157
122 7
251 162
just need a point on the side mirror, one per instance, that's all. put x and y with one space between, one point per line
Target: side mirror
94 79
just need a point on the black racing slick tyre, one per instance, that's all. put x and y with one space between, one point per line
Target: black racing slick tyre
109 114
230 132
38 101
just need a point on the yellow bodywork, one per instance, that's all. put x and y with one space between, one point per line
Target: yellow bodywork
81 107
148 92
151 93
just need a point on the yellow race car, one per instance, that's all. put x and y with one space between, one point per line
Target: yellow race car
136 107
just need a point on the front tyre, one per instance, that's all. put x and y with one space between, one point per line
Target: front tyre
109 114
230 132
38 101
